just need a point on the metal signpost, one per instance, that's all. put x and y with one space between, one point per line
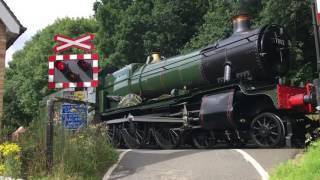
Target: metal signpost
70 71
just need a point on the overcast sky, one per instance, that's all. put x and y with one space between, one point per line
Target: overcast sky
37 14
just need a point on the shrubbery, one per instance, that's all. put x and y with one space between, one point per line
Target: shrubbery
85 154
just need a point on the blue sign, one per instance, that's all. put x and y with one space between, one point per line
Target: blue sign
73 116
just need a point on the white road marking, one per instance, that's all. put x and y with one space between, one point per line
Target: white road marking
263 173
113 167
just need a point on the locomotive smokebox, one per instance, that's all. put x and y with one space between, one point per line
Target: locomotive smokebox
241 23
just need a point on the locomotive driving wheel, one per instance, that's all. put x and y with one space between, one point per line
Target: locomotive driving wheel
203 139
267 130
165 137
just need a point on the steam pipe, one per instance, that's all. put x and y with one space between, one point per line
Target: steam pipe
227 72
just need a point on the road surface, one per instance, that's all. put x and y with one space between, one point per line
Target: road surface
217 164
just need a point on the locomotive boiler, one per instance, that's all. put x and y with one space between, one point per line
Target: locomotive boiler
227 92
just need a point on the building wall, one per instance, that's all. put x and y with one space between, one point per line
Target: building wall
3 41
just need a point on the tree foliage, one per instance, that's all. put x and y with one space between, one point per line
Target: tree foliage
130 30
26 77
217 24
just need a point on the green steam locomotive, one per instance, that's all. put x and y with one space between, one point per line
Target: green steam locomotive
229 92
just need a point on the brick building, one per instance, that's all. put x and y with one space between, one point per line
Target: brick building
10 30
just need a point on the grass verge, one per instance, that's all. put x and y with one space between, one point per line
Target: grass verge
307 167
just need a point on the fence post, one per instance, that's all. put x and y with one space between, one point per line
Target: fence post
49 135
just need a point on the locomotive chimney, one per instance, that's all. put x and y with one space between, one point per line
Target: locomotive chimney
241 23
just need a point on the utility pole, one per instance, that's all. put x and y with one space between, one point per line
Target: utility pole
315 6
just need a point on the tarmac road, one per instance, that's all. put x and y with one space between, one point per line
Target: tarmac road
186 164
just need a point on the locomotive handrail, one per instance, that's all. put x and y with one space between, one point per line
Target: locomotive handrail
216 45
210 47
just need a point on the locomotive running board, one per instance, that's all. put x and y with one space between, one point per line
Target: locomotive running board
150 119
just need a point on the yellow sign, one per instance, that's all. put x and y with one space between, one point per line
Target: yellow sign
80 95
75 95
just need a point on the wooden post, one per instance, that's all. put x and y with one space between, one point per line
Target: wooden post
3 47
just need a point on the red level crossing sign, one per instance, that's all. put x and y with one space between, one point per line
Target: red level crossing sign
81 42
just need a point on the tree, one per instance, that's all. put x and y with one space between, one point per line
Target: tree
217 24
26 78
130 31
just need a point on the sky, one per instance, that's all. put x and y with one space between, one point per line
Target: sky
37 14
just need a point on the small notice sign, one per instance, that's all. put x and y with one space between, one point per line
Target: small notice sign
75 95
73 116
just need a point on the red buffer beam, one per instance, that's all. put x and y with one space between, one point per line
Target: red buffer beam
295 98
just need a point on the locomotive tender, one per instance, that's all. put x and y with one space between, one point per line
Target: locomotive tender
228 92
